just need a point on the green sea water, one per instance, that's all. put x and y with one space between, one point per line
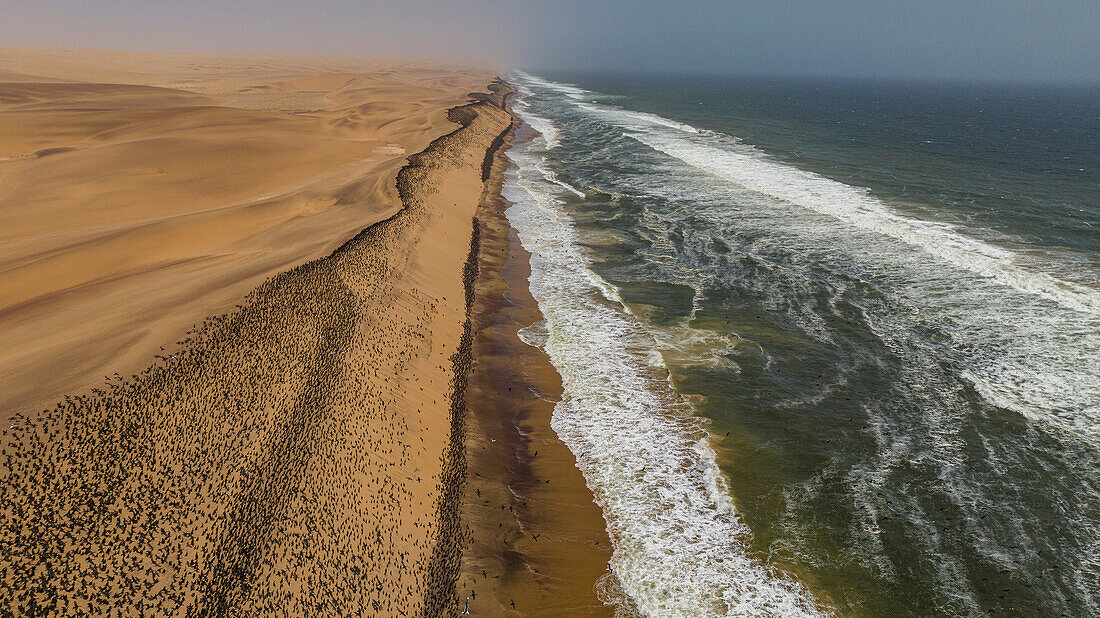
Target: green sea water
883 300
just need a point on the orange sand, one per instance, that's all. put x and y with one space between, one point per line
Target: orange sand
297 455
140 193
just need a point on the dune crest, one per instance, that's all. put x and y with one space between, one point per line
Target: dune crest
140 193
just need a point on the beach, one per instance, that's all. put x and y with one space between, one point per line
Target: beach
537 544
324 335
244 390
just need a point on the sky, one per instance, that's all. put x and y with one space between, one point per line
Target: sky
1041 40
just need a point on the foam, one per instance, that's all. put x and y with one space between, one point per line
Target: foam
1031 336
750 168
550 139
546 129
679 546
645 118
568 90
608 291
534 335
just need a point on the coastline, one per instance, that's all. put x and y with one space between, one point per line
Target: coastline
261 464
537 541
364 429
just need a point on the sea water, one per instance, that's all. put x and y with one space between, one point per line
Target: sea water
825 345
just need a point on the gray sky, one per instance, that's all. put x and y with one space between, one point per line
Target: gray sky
1006 39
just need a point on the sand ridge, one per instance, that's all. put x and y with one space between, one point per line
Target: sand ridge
141 192
294 456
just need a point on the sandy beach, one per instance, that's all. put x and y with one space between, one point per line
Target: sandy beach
537 543
610 310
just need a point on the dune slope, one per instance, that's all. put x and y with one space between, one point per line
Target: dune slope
140 193
298 455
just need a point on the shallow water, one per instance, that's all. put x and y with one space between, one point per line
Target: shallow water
825 344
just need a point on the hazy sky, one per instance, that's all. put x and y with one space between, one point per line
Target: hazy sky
1006 39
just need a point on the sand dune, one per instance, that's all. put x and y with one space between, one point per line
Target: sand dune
301 454
140 192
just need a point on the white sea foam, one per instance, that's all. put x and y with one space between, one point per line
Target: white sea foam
609 291
570 91
545 128
752 169
643 118
1022 352
1032 337
534 335
679 546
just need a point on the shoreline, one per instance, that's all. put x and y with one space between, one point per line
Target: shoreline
329 442
538 543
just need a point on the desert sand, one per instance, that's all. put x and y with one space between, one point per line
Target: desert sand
299 453
141 193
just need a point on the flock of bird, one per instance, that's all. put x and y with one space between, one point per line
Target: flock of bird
281 460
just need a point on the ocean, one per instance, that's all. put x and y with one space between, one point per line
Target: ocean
826 346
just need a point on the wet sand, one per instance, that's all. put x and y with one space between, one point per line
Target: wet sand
300 454
362 432
536 537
